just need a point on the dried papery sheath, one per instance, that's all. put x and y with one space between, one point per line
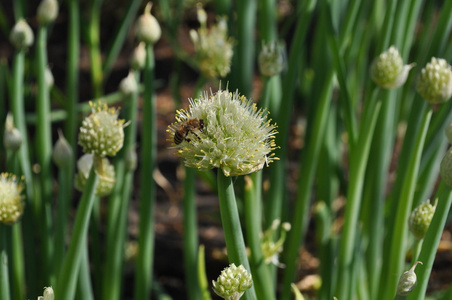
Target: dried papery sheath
106 180
213 48
435 82
102 133
388 70
225 131
11 200
420 219
232 282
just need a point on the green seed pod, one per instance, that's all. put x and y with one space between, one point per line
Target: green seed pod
435 82
232 282
12 138
21 35
147 28
420 219
102 133
11 200
47 11
446 168
106 181
407 281
388 70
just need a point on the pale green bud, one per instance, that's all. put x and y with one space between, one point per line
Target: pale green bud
131 160
407 281
225 131
271 59
21 35
138 58
435 82
128 85
388 70
232 282
446 168
11 200
420 219
147 28
106 181
102 133
48 294
62 151
47 11
12 138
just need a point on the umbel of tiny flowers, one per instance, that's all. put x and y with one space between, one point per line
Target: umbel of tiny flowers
388 70
232 282
11 200
407 281
435 81
446 168
272 249
225 131
102 133
106 179
21 35
271 59
48 294
12 138
147 28
420 219
213 48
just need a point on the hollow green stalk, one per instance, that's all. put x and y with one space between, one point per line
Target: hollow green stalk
144 265
431 241
118 207
65 285
202 277
4 270
233 235
308 162
84 286
94 47
44 154
398 242
18 268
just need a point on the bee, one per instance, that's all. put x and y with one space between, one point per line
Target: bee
183 129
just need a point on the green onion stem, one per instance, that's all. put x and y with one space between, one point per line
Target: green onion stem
5 292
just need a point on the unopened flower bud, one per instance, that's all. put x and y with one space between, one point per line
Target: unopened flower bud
49 80
232 282
48 294
47 11
131 160
147 28
388 70
62 152
435 82
21 35
128 85
11 200
407 281
12 138
271 59
102 133
420 219
138 58
446 168
106 181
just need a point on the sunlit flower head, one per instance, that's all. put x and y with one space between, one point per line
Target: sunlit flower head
213 47
232 282
435 82
226 131
102 133
11 200
388 70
